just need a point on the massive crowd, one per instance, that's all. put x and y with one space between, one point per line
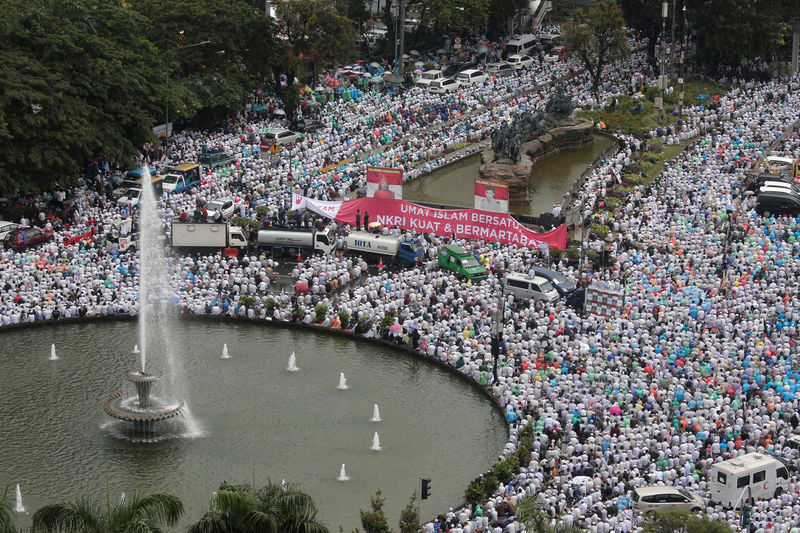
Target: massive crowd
699 366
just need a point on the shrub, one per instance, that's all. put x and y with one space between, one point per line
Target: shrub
601 230
270 304
261 211
474 493
503 472
320 311
344 318
245 222
248 301
386 322
612 202
489 485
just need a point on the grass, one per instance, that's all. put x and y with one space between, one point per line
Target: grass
639 125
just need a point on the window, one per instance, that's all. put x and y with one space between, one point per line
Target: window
758 477
742 482
722 478
323 239
517 283
783 473
452 259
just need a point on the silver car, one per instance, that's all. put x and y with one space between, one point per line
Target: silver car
649 499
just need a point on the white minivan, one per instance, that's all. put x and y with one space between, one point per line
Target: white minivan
529 288
747 478
520 45
429 77
471 77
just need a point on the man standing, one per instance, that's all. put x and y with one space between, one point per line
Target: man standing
366 220
358 219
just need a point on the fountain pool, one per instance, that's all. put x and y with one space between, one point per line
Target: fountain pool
257 419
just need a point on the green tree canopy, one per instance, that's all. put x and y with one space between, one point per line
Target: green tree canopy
75 83
145 513
374 520
671 521
270 509
597 37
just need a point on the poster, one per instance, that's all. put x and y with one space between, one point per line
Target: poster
385 183
491 196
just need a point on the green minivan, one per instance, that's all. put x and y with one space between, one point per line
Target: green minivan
455 258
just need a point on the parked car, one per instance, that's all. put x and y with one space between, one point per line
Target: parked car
443 86
227 207
649 499
451 71
280 136
7 227
501 69
21 238
307 125
429 77
519 62
525 287
471 77
563 285
130 198
777 200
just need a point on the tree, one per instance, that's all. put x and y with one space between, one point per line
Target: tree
645 17
75 82
596 38
453 16
375 521
671 521
409 517
143 513
273 508
209 82
315 32
6 515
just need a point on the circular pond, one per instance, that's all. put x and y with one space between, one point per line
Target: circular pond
258 420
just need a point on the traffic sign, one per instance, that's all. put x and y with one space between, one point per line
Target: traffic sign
147 146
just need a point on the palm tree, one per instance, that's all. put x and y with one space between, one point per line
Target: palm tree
143 514
270 509
6 514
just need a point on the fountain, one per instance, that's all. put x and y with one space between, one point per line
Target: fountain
20 509
140 403
53 356
292 364
342 382
225 354
343 475
376 415
376 443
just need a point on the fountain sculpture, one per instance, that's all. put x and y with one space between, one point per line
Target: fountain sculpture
225 354
139 403
376 443
343 475
292 364
376 414
53 356
342 382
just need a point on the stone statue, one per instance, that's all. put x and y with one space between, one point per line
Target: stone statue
561 103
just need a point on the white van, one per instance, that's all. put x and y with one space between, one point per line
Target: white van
520 45
747 478
529 288
471 77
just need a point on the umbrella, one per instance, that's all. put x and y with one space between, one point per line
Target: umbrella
367 75
441 51
482 49
419 63
374 225
333 82
418 71
395 327
414 53
393 78
406 56
375 65
615 410
301 287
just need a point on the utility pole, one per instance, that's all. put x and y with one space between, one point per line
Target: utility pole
402 25
672 41
683 63
661 79
166 86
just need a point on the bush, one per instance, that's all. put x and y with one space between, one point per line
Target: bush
601 230
489 485
261 211
386 322
245 222
612 202
248 301
474 493
344 318
320 311
270 304
503 472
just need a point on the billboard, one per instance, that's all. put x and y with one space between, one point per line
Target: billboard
385 183
491 196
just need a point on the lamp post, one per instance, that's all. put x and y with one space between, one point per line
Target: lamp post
660 102
683 63
166 86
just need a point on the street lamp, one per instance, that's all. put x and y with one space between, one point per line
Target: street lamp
661 83
683 63
166 92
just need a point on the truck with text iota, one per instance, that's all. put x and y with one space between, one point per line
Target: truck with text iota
207 236
283 242
390 248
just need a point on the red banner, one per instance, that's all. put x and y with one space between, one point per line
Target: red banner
385 183
464 223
